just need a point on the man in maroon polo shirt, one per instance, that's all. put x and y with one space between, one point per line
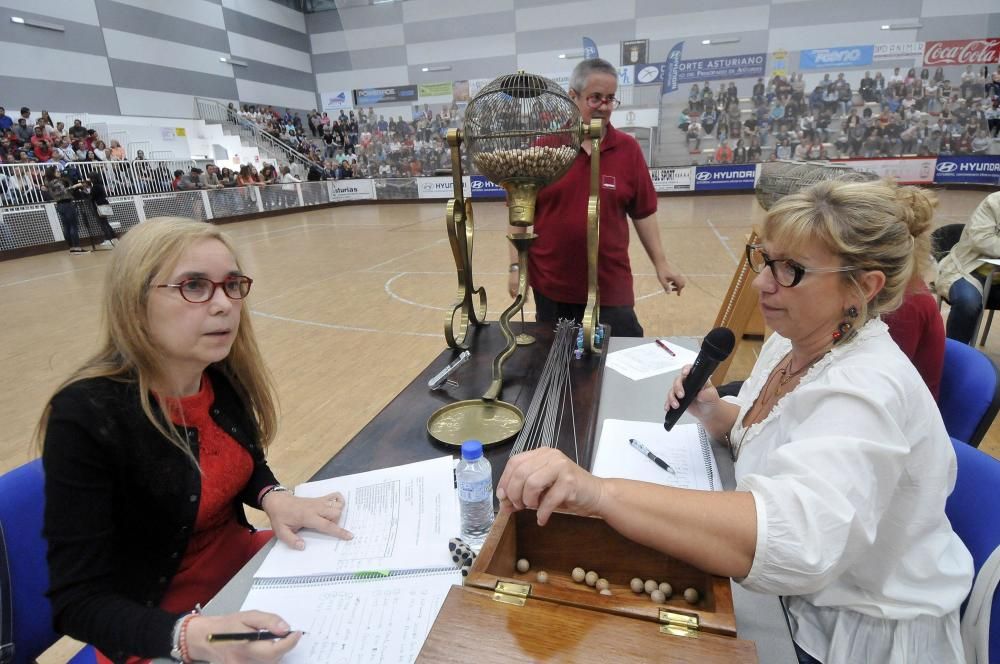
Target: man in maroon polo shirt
557 263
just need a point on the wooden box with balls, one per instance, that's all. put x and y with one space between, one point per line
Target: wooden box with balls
576 590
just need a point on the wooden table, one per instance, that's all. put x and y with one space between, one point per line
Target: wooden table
399 435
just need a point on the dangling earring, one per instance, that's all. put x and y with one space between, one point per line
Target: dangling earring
844 328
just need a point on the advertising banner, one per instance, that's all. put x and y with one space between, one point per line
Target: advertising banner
725 176
779 63
395 189
484 188
673 179
393 94
751 65
589 48
440 187
919 170
962 52
634 51
362 189
670 69
968 170
336 100
460 91
434 90
899 50
843 56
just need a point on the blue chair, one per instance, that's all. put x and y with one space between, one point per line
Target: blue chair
21 511
969 396
977 525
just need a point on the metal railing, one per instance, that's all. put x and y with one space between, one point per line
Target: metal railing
24 184
252 134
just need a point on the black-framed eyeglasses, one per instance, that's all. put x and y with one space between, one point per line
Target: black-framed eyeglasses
786 272
597 100
201 289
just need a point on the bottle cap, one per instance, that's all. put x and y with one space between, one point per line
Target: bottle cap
472 450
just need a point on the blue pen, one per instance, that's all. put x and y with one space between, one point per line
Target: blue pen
649 455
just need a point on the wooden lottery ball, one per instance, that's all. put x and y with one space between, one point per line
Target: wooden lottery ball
602 584
657 596
542 577
591 578
578 574
691 596
605 591
650 586
637 585
523 565
666 589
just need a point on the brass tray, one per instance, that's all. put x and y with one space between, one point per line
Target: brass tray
489 422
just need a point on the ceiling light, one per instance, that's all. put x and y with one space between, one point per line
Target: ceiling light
38 24
722 40
902 26
437 68
237 63
570 56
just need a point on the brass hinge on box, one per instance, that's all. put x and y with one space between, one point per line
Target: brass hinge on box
510 592
678 624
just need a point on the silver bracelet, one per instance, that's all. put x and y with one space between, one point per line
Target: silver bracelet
271 489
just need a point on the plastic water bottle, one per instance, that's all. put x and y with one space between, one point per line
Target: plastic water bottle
475 493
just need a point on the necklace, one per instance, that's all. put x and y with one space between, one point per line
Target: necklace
787 374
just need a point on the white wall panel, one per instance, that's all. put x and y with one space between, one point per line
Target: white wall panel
257 49
159 104
362 78
276 95
383 35
704 24
574 13
834 34
549 62
461 49
49 64
959 7
137 48
271 12
79 11
431 10
199 11
328 42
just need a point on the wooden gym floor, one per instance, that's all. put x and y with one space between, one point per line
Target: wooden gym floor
349 305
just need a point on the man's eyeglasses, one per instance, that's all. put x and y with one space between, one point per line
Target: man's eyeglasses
199 289
597 100
786 272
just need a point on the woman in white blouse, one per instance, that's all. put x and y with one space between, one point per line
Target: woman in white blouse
843 464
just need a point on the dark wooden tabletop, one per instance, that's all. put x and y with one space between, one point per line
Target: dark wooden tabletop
398 434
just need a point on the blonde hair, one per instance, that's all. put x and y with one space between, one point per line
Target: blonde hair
128 353
870 225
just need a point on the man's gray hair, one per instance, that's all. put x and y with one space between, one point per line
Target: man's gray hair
583 71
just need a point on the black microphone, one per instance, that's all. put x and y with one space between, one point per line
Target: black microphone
715 348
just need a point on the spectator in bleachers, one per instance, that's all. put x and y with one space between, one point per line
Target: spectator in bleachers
723 153
6 122
189 181
694 133
78 131
116 152
42 151
23 132
210 178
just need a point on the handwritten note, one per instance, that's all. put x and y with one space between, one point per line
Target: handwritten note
647 360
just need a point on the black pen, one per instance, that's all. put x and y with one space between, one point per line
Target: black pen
649 455
259 635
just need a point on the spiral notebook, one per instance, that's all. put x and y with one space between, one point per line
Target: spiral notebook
685 448
375 597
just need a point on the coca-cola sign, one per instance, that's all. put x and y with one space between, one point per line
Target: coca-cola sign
962 52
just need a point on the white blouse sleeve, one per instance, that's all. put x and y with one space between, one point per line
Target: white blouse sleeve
825 486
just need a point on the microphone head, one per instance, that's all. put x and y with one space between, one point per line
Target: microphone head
718 344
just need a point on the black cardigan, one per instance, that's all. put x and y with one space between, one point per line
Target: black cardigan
121 502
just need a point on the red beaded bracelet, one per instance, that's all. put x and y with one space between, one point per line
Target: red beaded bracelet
185 653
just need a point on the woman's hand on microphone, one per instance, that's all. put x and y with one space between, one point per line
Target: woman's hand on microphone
703 407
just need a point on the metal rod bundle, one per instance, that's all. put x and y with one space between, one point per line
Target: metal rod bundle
543 421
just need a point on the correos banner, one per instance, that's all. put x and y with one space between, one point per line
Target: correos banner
918 170
440 187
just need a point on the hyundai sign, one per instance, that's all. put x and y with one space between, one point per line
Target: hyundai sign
725 176
484 188
968 170
844 56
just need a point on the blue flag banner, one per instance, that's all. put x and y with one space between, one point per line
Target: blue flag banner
589 48
671 69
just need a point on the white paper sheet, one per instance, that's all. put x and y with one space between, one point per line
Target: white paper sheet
401 518
647 360
682 448
358 622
